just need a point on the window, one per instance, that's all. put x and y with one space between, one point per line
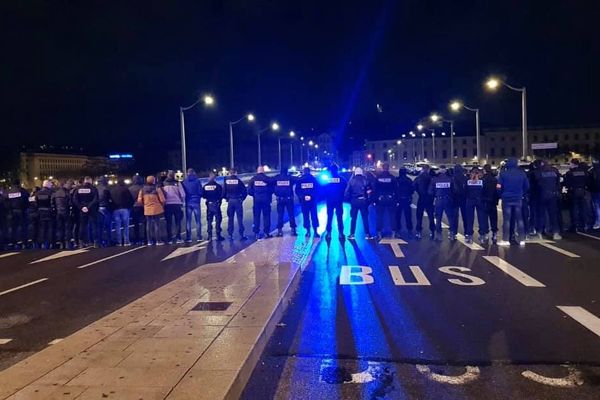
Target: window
444 154
474 151
513 151
502 152
464 153
493 152
576 136
587 136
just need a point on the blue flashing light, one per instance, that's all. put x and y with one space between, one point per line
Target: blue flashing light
324 177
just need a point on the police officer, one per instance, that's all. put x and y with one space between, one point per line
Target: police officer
578 182
307 190
34 220
405 189
17 203
61 204
441 189
474 203
459 198
284 193
43 199
235 192
213 193
261 188
74 217
490 200
425 201
595 189
385 198
334 197
357 191
547 180
85 201
104 212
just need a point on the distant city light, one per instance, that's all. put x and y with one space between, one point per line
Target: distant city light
434 117
119 156
420 127
292 133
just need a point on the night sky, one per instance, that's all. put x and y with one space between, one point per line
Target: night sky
111 75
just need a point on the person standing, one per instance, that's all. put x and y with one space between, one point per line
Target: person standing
490 200
307 190
512 184
405 189
595 189
61 204
474 204
34 220
85 200
284 193
137 212
425 201
235 192
261 189
459 199
43 200
193 194
385 199
122 203
578 182
17 203
334 198
174 199
441 190
3 221
547 180
153 199
104 212
357 191
213 193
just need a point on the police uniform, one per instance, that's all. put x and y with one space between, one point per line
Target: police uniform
43 199
61 204
17 204
405 189
548 183
459 199
234 191
34 220
474 203
260 188
577 182
357 191
213 193
490 200
441 190
334 196
3 222
307 190
85 200
385 199
424 202
284 193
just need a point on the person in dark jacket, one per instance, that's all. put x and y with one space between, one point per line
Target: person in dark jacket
85 200
533 198
193 195
459 198
174 201
474 205
260 188
122 201
137 212
385 198
43 200
441 190
34 220
235 192
547 180
595 189
334 198
357 192
513 184
490 200
104 212
307 190
3 221
425 201
213 193
578 182
17 200
61 204
405 192
283 186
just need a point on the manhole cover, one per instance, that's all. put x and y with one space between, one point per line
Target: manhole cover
212 306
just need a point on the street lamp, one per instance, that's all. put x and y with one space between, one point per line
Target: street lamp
208 101
493 84
433 157
422 145
292 136
456 106
434 118
274 126
249 118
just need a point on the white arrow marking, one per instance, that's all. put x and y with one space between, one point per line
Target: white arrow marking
61 254
395 245
4 341
571 380
8 254
583 316
185 250
22 286
470 375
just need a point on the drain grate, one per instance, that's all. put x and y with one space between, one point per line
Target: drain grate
212 306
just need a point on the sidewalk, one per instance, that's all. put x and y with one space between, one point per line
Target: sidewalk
198 337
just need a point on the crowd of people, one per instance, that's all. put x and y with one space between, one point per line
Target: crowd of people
80 214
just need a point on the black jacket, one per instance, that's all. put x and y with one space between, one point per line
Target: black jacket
212 192
234 188
334 190
17 198
121 197
86 196
357 189
405 187
283 186
261 188
307 189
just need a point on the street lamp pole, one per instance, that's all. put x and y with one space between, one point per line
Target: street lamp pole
250 118
209 101
433 145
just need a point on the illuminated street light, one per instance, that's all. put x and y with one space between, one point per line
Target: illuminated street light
420 127
208 100
456 106
310 143
292 134
275 126
434 117
399 142
492 83
249 118
316 146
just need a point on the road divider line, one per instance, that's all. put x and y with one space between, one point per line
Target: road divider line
8 254
4 341
180 251
557 249
23 286
514 272
109 258
61 254
583 316
588 235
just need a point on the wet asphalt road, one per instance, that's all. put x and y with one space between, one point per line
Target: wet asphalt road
415 329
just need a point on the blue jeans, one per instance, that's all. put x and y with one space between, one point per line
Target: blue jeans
121 220
192 209
153 228
512 210
103 225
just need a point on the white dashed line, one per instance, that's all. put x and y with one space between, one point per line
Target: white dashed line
588 235
557 249
583 316
8 254
22 286
4 341
571 380
55 341
514 272
109 258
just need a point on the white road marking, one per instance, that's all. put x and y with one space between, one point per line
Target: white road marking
583 316
588 235
473 246
347 272
395 245
514 272
109 258
571 380
4 341
61 254
180 251
546 244
22 286
8 254
398 278
55 341
471 374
